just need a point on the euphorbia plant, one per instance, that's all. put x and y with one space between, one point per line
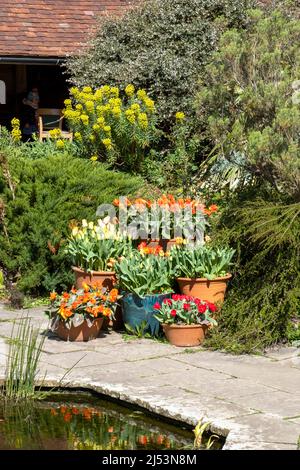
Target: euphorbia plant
144 274
76 306
201 261
97 246
185 310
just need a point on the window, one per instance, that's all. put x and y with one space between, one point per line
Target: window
2 92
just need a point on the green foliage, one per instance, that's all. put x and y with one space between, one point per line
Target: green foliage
249 100
144 274
39 200
159 45
265 292
24 353
201 261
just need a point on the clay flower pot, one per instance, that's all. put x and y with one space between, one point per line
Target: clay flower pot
185 335
202 288
103 279
82 332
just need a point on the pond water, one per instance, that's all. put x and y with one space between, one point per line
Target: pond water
84 422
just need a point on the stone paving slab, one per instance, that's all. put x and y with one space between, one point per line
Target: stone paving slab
253 401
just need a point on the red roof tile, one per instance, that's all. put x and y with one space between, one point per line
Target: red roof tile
50 27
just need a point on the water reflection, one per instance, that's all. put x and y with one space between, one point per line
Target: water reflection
84 426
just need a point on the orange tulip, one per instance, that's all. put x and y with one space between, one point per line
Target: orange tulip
53 296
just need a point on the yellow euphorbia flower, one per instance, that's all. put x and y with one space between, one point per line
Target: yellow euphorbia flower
129 90
180 116
60 144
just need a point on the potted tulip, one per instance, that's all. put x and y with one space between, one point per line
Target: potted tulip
202 271
185 319
94 249
144 278
78 315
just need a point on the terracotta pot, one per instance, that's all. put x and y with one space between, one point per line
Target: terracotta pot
185 335
103 279
83 332
202 288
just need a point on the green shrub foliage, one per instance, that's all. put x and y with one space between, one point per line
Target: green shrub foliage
38 200
160 45
250 100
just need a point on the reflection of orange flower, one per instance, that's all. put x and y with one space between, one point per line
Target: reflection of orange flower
63 409
143 440
75 411
53 412
160 439
110 429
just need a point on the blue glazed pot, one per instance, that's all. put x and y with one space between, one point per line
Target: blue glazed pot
137 310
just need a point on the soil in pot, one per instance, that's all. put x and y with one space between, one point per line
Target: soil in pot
103 279
204 289
82 332
185 335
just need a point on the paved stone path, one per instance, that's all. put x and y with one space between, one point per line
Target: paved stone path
252 400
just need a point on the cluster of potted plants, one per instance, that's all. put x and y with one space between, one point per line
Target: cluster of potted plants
105 258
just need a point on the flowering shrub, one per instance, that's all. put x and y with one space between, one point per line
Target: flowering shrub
16 134
186 310
97 246
83 304
166 217
111 127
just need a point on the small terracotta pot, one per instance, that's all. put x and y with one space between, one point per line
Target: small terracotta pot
103 279
204 289
83 332
185 335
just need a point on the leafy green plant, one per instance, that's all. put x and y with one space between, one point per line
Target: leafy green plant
248 101
97 247
201 261
25 349
140 331
159 45
40 198
199 432
144 274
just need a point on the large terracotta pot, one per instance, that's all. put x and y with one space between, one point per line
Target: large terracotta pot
185 335
202 288
83 332
103 279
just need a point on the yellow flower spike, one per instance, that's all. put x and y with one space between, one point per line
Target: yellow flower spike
107 143
86 89
79 107
96 127
60 144
84 223
116 112
141 94
114 91
129 90
180 116
68 102
94 158
77 136
107 129
91 225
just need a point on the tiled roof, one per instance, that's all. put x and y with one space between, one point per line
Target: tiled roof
50 28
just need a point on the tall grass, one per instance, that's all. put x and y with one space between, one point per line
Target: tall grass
25 349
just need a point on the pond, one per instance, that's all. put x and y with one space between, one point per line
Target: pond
84 422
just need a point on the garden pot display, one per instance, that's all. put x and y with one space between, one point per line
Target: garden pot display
202 288
137 310
82 332
103 279
185 335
